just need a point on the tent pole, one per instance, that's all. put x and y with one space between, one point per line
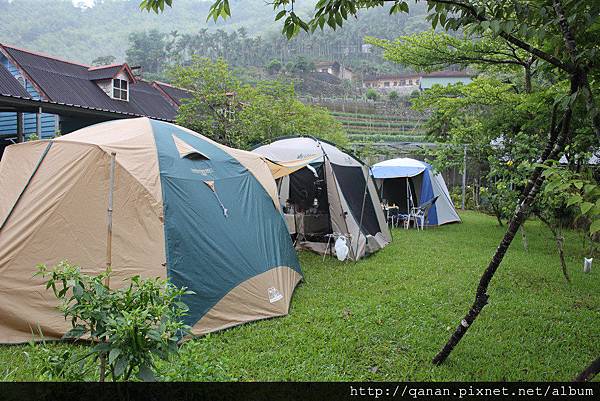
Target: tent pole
362 210
109 215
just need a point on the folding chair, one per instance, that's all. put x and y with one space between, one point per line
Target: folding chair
421 213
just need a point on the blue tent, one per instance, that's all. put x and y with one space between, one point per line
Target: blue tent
408 183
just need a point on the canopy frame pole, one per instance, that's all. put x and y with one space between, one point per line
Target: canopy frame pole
362 209
408 196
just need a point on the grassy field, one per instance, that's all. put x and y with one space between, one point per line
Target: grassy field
385 317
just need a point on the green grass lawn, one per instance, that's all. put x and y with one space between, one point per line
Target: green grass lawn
385 317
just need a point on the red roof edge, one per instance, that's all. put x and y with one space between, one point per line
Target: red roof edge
43 55
157 86
37 87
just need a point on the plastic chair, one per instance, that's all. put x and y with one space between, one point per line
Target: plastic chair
421 213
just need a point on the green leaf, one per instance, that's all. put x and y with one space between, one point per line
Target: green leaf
75 332
113 354
573 200
585 207
495 26
120 366
146 374
595 226
280 15
102 347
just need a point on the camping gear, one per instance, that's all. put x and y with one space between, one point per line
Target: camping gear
336 194
410 184
184 207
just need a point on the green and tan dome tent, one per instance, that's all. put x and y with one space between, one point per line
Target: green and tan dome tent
184 207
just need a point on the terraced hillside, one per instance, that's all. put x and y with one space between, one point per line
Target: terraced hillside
381 128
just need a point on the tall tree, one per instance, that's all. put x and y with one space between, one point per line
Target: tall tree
561 34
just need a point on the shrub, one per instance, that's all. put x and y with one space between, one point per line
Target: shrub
129 324
372 94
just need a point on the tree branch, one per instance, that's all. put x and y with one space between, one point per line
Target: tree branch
588 373
509 37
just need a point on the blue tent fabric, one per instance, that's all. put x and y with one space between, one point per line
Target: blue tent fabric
199 232
427 195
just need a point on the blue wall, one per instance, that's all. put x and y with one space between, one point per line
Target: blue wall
8 121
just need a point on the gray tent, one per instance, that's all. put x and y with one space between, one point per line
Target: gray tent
332 197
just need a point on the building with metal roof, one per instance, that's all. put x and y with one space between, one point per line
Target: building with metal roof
42 94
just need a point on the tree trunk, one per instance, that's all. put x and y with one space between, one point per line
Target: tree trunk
561 254
554 148
588 374
557 233
528 78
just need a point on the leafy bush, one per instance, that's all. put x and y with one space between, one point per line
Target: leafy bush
130 324
372 94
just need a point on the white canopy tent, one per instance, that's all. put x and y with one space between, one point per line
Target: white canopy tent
409 182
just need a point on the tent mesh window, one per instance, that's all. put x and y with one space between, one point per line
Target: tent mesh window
352 182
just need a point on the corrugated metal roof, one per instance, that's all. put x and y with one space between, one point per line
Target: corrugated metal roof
107 72
71 84
176 94
9 85
150 101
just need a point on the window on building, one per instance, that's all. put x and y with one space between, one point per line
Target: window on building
386 83
120 89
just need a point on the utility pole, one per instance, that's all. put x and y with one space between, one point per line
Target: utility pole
464 178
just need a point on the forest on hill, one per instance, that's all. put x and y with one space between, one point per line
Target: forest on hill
117 29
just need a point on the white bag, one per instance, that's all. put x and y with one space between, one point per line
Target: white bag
587 265
341 248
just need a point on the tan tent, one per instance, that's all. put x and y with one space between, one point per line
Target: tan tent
182 208
332 198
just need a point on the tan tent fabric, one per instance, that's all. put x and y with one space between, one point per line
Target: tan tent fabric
11 185
359 218
339 222
252 300
282 169
133 142
184 148
59 211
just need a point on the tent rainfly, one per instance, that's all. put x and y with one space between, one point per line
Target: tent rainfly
332 197
408 182
204 215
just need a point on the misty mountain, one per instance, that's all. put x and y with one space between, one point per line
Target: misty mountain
77 33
